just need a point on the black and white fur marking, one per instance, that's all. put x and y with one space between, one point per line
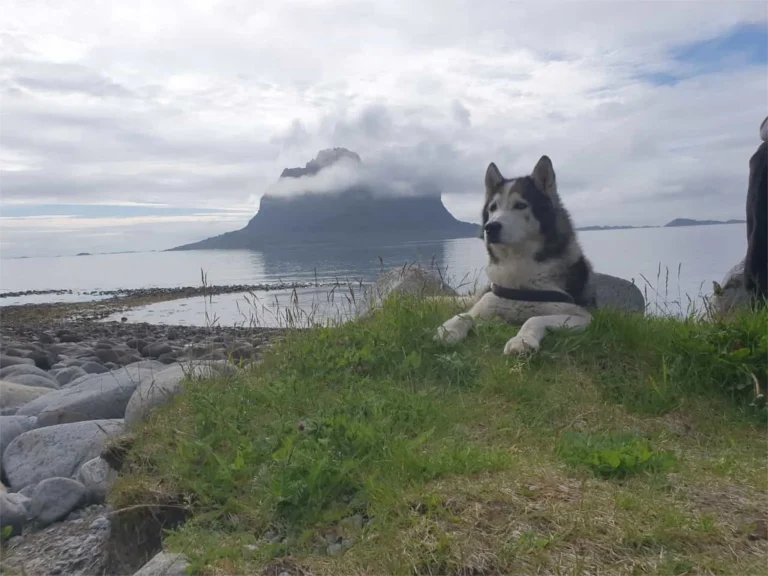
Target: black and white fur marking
531 245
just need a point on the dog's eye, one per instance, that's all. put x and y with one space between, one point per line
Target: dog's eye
492 207
519 206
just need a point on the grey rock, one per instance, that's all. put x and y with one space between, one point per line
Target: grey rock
136 343
96 396
19 369
45 338
101 523
617 293
56 451
12 426
165 564
162 387
42 360
66 375
54 498
156 349
64 548
97 477
33 380
13 511
70 337
128 359
15 396
6 361
94 368
731 294
168 358
411 280
107 355
27 491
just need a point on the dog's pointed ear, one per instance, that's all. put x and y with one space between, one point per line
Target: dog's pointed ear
544 177
493 179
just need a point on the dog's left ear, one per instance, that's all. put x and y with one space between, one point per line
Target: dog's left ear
544 177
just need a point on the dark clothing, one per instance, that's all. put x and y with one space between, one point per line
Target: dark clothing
756 262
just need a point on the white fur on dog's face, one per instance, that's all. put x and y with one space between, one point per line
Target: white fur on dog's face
515 215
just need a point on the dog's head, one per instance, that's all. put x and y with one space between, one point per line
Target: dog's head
521 211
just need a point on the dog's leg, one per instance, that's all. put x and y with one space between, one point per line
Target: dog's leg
457 328
529 338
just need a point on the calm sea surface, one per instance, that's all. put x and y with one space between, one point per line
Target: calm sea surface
693 257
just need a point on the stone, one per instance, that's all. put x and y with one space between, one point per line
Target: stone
54 498
97 477
107 355
128 359
411 280
96 396
17 395
27 490
13 511
168 358
156 349
12 426
69 337
42 360
618 293
33 380
136 343
45 338
732 293
56 451
6 361
94 368
76 548
165 564
23 369
66 375
162 387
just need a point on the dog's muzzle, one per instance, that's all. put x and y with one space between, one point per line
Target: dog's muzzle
493 232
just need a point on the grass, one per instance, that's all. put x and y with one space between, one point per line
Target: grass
636 447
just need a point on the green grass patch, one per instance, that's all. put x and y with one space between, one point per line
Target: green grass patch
370 448
613 455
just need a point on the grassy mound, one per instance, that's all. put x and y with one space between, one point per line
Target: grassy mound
635 447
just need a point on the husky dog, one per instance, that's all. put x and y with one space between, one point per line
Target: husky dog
539 275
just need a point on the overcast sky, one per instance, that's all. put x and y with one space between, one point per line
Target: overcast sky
147 124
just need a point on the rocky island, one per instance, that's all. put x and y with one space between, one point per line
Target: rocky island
352 213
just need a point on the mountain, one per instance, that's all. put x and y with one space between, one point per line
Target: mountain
351 214
677 222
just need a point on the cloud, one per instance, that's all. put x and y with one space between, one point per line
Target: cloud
647 114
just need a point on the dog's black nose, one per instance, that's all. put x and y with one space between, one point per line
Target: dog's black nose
492 230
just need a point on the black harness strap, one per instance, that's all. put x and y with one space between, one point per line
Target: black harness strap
532 295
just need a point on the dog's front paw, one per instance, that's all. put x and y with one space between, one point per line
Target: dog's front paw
520 345
448 336
455 330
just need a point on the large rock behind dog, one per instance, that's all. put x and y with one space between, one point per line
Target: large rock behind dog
618 294
411 280
732 294
55 451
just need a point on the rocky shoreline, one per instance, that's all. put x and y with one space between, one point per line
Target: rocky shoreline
70 385
177 292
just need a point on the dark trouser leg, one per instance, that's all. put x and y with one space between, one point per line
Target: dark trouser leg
756 262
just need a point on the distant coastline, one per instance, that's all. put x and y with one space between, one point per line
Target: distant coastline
676 223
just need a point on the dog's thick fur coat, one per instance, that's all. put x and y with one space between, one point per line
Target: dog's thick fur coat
531 246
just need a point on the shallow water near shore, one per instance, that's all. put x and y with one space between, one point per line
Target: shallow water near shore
674 267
